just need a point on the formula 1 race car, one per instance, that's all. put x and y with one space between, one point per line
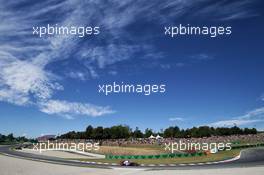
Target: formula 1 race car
128 163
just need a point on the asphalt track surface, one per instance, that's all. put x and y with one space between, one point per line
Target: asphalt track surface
248 158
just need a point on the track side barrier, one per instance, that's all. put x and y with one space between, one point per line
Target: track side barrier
158 156
176 155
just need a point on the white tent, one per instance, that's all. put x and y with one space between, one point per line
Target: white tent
159 137
151 137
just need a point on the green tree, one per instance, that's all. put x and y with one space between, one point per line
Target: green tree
137 133
98 133
148 132
89 132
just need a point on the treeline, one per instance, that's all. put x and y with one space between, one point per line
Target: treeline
7 139
121 131
205 131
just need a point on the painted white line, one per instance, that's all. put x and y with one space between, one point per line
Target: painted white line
200 163
151 165
181 164
132 169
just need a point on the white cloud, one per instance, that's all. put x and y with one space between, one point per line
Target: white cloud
107 55
202 57
229 10
24 74
262 97
254 114
92 71
13 97
78 75
111 72
68 109
165 66
176 119
233 122
250 117
24 77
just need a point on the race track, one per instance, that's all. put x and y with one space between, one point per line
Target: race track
248 158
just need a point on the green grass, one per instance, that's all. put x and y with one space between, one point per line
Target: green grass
131 150
223 155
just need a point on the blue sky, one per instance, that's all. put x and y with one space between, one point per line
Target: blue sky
50 85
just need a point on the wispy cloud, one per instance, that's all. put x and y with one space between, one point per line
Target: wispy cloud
261 97
230 10
176 119
107 55
233 122
78 75
172 65
250 117
19 79
25 78
25 74
69 109
202 57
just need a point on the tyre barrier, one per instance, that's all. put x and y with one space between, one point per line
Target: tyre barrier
158 156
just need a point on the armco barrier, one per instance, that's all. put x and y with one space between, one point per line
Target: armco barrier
159 156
